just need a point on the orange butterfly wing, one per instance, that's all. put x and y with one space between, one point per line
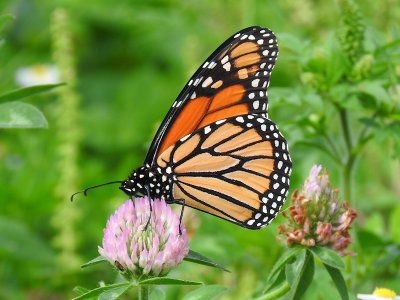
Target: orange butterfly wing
233 81
237 169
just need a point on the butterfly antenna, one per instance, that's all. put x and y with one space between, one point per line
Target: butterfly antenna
93 187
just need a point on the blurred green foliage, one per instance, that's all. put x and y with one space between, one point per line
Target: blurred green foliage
131 59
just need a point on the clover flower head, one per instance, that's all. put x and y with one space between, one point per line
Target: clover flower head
316 217
153 251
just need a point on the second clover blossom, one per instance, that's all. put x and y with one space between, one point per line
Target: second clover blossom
316 217
151 252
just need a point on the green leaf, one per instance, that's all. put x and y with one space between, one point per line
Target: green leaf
328 257
338 279
276 281
206 292
376 90
300 274
336 65
27 92
21 115
293 269
369 242
80 290
294 43
113 291
278 266
95 261
19 243
4 19
197 258
167 281
157 294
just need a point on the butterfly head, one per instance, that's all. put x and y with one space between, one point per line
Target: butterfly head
137 182
146 181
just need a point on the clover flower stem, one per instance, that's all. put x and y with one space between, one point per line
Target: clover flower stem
280 291
144 292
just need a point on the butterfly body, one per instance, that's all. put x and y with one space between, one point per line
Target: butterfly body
216 149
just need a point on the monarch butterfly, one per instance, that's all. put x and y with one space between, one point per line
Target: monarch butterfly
216 150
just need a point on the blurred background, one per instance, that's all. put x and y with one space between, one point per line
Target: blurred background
124 63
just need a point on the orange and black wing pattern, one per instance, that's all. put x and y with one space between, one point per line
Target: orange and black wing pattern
236 168
233 81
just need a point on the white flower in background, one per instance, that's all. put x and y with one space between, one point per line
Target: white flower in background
37 75
379 294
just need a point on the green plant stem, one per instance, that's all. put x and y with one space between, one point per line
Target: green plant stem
348 162
144 292
280 291
344 122
335 152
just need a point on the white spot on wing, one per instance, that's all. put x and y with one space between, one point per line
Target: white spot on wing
225 59
185 138
227 66
212 65
255 82
250 222
207 82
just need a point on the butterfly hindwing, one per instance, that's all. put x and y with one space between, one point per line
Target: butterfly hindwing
237 169
232 81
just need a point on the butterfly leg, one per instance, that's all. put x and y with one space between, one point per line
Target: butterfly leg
151 206
181 202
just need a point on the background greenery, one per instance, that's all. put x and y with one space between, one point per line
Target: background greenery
124 62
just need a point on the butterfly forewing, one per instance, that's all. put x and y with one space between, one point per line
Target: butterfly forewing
237 169
232 81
